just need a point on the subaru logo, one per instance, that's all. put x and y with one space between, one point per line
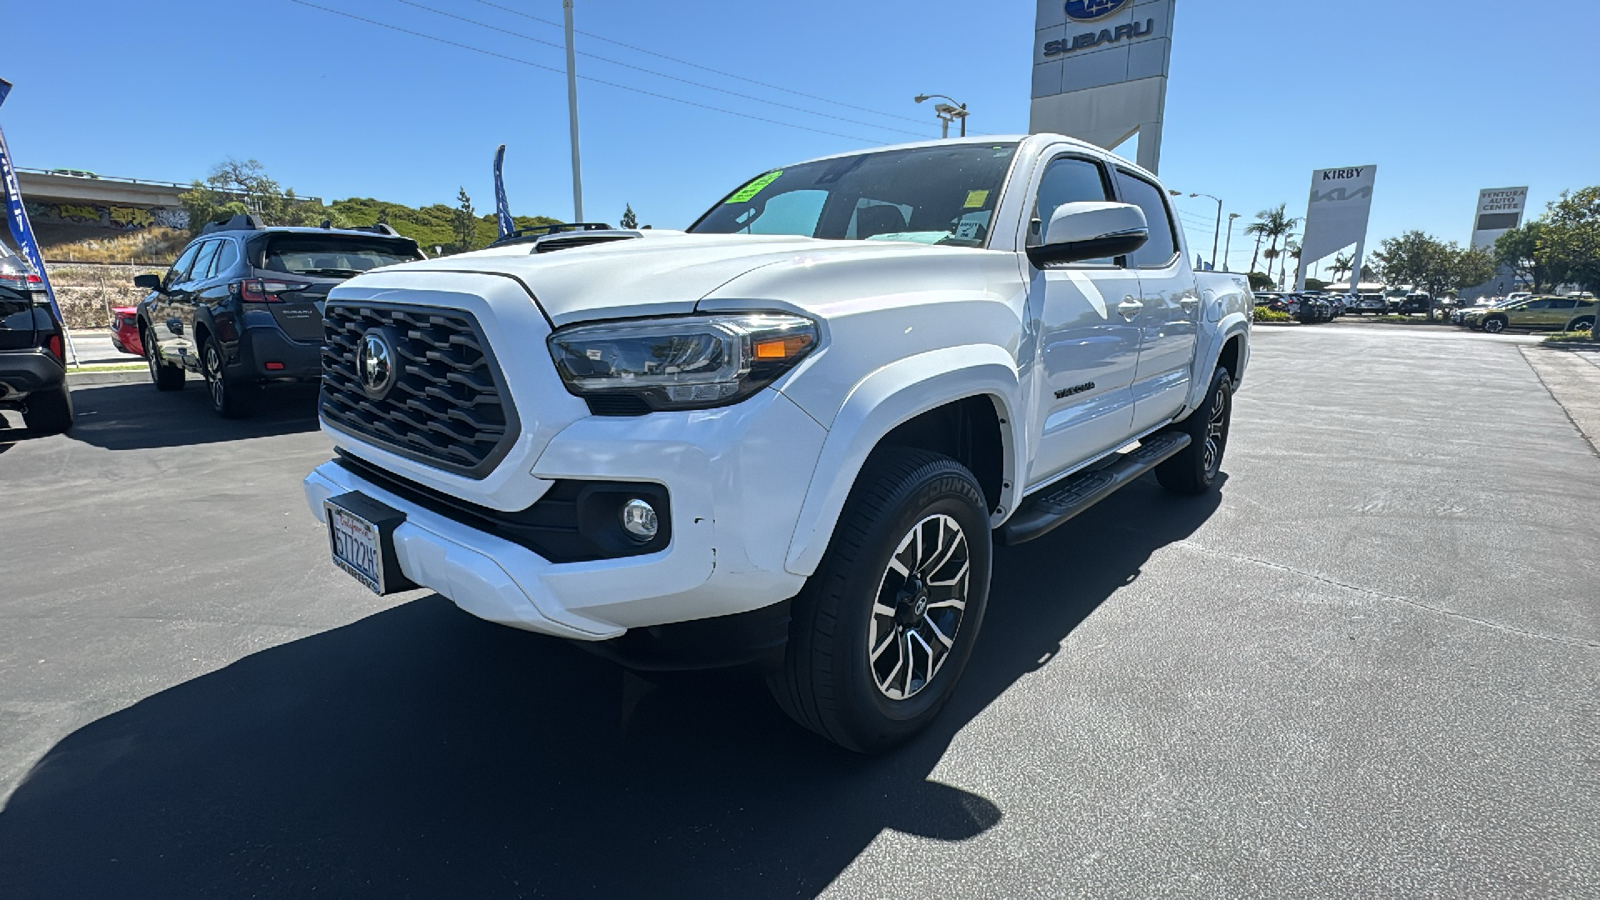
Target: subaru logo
1093 10
375 364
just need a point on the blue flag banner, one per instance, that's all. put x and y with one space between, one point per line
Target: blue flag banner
17 214
502 209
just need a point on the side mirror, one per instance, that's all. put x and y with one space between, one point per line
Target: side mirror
148 282
1080 231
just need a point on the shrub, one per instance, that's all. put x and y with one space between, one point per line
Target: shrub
1266 315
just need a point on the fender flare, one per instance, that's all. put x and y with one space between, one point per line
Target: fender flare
1231 326
887 398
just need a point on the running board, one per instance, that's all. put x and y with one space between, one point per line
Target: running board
1043 512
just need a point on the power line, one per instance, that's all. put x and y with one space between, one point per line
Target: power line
625 65
684 62
531 64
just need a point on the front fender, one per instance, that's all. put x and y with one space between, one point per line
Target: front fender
883 400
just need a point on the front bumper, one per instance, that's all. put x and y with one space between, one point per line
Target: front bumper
736 476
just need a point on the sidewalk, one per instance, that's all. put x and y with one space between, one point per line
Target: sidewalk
94 348
1573 378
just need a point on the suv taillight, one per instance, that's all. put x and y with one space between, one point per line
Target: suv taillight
53 344
266 290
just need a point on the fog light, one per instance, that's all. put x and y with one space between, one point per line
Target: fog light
639 520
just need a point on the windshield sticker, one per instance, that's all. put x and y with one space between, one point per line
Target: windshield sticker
755 187
976 200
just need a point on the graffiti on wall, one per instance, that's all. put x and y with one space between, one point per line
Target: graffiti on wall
121 218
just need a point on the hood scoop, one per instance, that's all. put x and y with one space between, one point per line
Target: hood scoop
568 240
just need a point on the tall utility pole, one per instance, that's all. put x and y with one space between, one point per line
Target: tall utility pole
1228 250
572 111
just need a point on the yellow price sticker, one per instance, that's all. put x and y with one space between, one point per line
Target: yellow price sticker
754 187
976 200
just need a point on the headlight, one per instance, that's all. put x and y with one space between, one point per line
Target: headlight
685 363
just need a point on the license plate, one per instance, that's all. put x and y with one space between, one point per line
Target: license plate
361 541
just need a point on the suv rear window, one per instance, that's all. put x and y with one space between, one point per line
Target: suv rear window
333 254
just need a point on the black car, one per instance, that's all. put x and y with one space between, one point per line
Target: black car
33 368
242 305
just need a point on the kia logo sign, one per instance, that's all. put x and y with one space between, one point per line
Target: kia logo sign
1093 10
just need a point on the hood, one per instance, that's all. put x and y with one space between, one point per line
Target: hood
664 273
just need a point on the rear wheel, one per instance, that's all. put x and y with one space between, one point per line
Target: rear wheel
230 398
883 629
49 412
1586 323
163 376
1494 324
1194 469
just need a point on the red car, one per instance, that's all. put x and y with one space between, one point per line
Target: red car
125 330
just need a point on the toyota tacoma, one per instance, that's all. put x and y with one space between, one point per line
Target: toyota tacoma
790 435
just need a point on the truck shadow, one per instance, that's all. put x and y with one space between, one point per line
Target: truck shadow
421 752
138 417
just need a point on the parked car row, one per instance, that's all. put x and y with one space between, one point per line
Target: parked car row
1545 313
1307 307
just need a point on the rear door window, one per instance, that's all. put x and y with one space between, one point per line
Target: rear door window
226 256
202 261
333 255
180 268
1159 251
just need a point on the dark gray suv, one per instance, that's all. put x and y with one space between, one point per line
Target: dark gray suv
242 305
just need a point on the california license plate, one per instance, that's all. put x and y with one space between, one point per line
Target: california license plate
360 540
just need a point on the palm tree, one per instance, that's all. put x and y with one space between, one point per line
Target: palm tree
1259 229
1276 225
1270 254
1341 266
1294 251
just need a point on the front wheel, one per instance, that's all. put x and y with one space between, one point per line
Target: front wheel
1584 324
163 376
1494 324
49 412
1194 469
883 629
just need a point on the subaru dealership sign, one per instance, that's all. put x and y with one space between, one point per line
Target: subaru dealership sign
1100 71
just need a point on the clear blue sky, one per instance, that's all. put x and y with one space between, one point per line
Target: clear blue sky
1445 96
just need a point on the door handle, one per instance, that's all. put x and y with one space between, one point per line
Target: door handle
1189 303
1130 308
175 325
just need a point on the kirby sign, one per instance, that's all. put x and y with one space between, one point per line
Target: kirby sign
1093 10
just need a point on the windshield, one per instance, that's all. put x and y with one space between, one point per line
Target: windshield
930 195
334 254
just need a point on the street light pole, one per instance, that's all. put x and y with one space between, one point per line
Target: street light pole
572 112
947 112
1216 230
1227 253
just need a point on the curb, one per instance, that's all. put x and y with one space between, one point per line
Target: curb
96 379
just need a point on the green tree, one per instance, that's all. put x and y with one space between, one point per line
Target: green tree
1341 266
1429 264
1518 250
1260 281
464 223
1570 242
629 220
1272 225
238 188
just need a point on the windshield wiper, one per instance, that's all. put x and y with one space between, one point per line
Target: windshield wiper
334 272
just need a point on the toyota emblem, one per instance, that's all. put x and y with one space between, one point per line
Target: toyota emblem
375 364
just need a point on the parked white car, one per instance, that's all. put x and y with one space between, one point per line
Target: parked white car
792 434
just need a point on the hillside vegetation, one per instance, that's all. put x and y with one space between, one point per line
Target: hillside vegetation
430 226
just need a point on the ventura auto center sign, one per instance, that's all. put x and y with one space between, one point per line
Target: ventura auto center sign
1100 71
1499 210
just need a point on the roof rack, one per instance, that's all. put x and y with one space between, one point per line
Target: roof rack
234 223
538 231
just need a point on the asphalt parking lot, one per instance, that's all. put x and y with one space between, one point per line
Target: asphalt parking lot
1369 666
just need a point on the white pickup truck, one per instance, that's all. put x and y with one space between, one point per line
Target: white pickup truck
791 435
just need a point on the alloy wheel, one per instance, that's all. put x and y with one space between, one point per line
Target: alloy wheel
213 361
1217 431
921 601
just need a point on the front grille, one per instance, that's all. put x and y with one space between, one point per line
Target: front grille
448 405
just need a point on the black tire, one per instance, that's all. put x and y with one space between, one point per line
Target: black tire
1582 323
49 412
230 398
1194 470
829 680
1494 324
163 376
